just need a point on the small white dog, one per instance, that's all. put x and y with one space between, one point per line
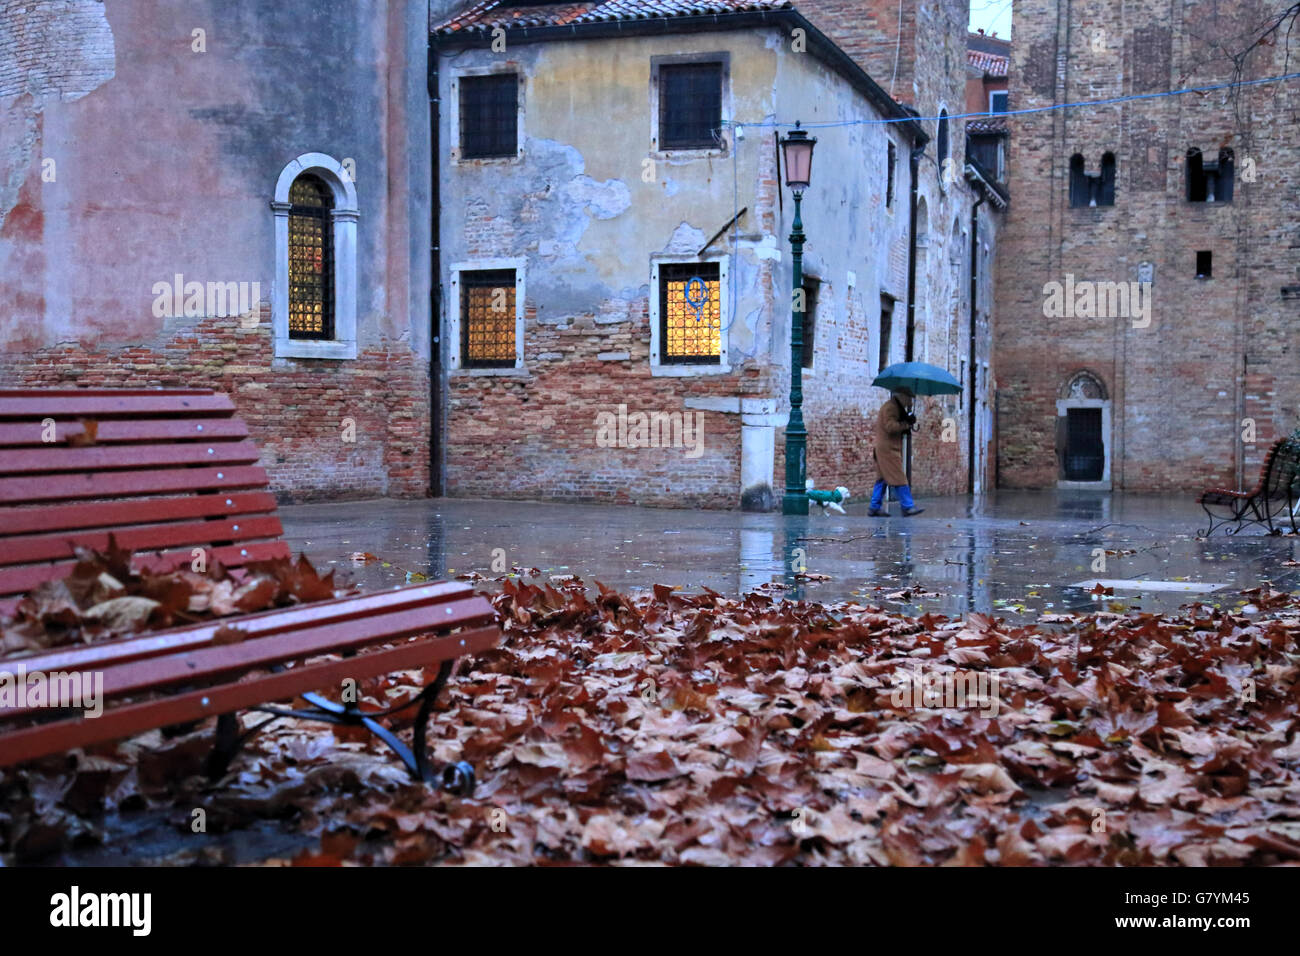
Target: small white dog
827 499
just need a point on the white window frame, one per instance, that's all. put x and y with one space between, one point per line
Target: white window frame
454 318
454 118
689 369
344 228
993 93
679 153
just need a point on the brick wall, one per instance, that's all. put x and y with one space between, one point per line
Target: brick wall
295 409
1177 387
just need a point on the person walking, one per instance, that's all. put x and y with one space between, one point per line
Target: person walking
893 421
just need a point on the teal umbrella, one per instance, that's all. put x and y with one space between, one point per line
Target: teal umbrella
920 378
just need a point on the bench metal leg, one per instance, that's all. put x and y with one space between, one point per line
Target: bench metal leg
457 778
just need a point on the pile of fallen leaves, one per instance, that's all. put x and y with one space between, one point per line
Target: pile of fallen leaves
696 729
104 597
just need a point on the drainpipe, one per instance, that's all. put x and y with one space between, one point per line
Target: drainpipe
914 167
972 345
435 286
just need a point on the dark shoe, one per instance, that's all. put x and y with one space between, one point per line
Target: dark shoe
908 512
877 513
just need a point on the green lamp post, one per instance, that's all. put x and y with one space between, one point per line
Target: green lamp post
797 151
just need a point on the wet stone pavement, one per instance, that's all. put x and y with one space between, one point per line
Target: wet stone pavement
1012 554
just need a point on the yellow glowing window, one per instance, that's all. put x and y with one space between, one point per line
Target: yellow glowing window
311 293
690 313
487 310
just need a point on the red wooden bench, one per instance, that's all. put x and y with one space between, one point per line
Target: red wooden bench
1275 494
171 470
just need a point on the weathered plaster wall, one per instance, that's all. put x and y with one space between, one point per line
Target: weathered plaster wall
165 160
579 214
918 52
577 209
858 248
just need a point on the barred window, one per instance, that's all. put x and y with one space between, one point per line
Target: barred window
690 313
489 123
311 255
690 105
487 318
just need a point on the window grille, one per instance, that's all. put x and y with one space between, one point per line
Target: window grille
311 260
690 105
690 313
489 116
487 319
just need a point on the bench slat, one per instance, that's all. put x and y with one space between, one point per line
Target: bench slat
115 484
53 547
13 434
19 580
227 659
74 402
215 662
115 723
275 621
135 457
108 514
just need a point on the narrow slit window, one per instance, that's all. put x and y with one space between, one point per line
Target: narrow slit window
886 330
812 290
488 314
891 161
311 259
690 313
690 105
489 116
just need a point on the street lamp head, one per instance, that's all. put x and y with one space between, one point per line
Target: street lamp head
797 152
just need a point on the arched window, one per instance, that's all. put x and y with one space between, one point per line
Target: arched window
311 255
1209 180
314 305
941 141
1106 196
1090 190
1078 181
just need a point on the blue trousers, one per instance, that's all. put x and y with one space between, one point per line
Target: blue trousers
904 495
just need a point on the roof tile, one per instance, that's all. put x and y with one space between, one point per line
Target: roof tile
989 63
484 17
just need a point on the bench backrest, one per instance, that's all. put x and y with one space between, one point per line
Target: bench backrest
1285 468
164 470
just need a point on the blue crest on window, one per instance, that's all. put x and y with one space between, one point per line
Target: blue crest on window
697 295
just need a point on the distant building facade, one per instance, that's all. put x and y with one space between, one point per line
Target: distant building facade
589 233
1149 282
606 310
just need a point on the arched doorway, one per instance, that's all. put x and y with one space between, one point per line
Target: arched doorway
1083 433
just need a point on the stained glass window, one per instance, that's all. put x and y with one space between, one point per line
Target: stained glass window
690 313
311 247
487 326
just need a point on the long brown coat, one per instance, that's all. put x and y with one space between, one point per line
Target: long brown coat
891 426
